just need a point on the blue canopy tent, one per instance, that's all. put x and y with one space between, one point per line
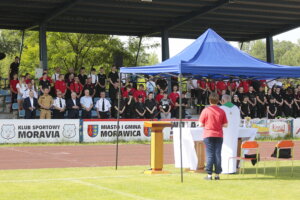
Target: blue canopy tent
212 57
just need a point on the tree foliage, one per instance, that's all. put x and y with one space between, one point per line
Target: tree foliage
285 52
75 50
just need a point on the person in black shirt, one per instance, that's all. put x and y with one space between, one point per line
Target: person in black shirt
71 71
151 107
261 103
184 104
14 68
269 95
113 78
272 109
121 110
296 106
288 103
236 101
101 80
129 103
82 76
240 93
252 101
89 86
245 107
279 101
113 91
44 83
140 108
161 84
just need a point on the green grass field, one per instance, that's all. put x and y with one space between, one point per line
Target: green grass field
131 183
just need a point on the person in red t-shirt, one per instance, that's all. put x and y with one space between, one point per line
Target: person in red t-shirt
221 85
212 86
213 119
13 88
263 83
27 78
126 90
61 85
140 93
173 96
159 96
76 87
232 87
245 84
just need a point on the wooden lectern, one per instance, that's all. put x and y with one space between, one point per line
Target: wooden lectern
157 148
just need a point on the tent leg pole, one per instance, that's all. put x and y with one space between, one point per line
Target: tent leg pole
118 121
180 123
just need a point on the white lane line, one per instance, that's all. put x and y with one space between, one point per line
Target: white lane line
133 196
62 179
78 178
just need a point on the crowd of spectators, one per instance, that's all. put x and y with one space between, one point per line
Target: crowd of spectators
74 95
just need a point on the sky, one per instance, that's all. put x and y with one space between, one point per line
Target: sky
177 45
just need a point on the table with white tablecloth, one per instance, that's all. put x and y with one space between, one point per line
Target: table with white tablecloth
190 136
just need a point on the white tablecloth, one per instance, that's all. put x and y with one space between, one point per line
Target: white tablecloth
189 136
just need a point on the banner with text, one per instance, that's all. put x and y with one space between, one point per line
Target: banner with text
38 131
130 130
270 127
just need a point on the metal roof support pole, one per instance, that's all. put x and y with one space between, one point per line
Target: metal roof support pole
270 49
43 47
165 52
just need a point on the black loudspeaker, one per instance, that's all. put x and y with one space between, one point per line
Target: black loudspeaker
118 60
2 56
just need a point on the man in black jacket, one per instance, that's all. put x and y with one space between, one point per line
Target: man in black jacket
30 105
73 106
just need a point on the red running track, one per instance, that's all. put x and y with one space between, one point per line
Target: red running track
93 155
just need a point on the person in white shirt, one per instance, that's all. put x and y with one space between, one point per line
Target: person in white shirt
55 76
21 87
103 107
94 76
29 88
59 106
86 104
150 85
230 135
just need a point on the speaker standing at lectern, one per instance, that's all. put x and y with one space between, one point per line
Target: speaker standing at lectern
230 137
213 119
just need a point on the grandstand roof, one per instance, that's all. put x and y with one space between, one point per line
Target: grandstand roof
234 20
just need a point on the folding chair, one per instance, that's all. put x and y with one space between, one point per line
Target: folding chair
247 145
285 144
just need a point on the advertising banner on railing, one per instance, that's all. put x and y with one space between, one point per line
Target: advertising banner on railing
38 131
270 127
97 130
296 128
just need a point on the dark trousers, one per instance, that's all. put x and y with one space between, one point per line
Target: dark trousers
213 147
58 115
261 110
103 115
86 114
30 114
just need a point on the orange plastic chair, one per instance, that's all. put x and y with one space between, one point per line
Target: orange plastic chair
247 145
285 144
